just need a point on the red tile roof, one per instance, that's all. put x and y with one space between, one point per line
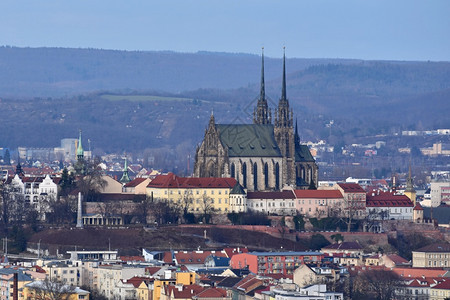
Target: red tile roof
443 285
351 188
131 258
195 257
418 206
321 194
212 293
440 247
271 195
232 251
137 280
173 181
397 259
135 182
152 270
387 199
419 272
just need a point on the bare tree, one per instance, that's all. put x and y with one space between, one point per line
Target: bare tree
207 207
50 289
186 203
378 284
91 182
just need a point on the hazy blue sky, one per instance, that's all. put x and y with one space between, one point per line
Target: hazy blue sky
367 29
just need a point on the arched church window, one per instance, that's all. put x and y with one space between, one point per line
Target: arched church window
266 176
255 176
244 175
233 170
277 176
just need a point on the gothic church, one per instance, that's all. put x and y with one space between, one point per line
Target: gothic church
261 156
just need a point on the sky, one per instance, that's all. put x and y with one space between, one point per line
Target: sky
361 29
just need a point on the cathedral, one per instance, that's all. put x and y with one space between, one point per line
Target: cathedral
262 156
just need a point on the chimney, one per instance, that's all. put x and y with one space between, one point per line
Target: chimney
16 287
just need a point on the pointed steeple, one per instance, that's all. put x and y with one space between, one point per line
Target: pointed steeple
283 85
125 178
261 114
296 136
284 115
19 170
409 182
80 151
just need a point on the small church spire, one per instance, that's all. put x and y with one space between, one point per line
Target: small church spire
125 178
262 93
80 151
19 170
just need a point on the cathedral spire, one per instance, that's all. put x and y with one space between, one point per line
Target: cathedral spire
283 86
284 115
261 114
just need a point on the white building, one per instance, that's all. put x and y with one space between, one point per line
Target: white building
387 206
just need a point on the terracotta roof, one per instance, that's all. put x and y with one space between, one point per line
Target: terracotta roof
187 291
419 272
173 181
195 257
445 285
321 194
441 247
351 188
232 251
418 206
397 259
152 270
387 199
135 182
137 280
271 195
131 258
212 293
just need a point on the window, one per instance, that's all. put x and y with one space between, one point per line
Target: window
212 192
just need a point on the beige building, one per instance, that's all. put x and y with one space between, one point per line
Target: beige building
196 194
108 277
432 256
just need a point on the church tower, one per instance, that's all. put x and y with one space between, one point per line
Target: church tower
410 192
284 132
262 114
80 151
125 178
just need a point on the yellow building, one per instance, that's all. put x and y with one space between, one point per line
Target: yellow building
440 291
197 195
432 256
42 289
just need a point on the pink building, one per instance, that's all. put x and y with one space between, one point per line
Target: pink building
317 203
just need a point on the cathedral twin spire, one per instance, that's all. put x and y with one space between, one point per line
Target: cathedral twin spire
262 113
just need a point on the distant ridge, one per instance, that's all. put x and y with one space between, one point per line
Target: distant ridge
50 72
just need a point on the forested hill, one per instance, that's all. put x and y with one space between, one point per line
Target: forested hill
50 72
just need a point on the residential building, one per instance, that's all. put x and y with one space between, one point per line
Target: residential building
432 256
276 203
238 199
273 262
354 204
197 194
7 286
109 275
440 291
388 206
317 203
38 290
306 275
